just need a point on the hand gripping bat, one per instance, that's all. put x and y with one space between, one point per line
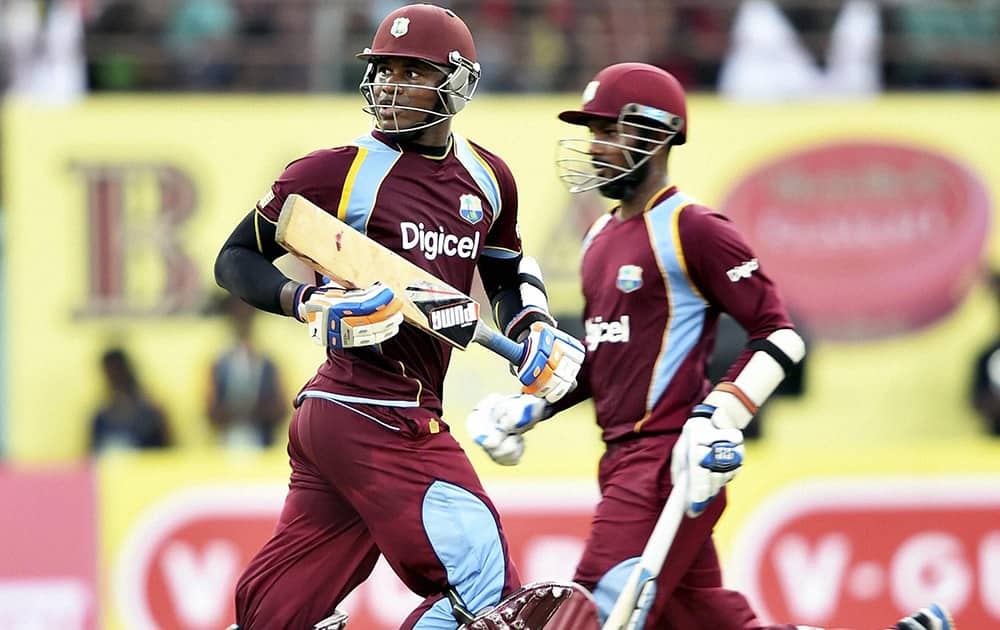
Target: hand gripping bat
341 253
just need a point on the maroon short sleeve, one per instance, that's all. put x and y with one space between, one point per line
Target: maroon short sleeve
319 176
729 274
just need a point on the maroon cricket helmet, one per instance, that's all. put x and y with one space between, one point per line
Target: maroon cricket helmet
634 89
436 36
422 31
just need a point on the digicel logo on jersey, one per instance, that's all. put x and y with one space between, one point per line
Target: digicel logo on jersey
859 554
600 331
436 242
865 239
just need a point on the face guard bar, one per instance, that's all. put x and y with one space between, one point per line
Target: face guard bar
457 89
580 171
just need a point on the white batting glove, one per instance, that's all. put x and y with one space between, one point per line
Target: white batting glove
551 363
350 318
498 422
709 455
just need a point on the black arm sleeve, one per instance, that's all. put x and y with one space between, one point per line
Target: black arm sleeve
502 284
244 265
498 275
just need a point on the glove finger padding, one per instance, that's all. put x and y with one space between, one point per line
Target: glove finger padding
497 422
503 446
348 318
508 451
519 413
710 457
551 363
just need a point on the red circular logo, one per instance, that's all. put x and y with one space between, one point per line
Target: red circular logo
865 239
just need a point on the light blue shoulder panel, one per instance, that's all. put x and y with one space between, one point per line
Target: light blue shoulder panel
480 172
594 230
687 306
362 190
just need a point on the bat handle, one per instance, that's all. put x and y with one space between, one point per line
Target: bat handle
495 341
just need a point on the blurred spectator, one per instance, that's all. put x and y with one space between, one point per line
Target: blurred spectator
545 45
349 68
753 49
114 58
42 49
698 41
128 419
986 372
200 37
943 44
246 401
279 43
330 25
494 23
797 50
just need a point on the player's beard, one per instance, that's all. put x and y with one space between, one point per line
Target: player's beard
625 186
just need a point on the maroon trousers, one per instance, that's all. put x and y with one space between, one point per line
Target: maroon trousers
366 481
634 477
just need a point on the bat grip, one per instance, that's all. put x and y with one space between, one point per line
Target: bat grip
505 347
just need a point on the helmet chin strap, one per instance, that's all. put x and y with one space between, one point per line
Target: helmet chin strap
411 135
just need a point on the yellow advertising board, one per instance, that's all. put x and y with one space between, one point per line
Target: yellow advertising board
115 208
818 535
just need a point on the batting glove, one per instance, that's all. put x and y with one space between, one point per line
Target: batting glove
498 422
350 318
550 365
709 455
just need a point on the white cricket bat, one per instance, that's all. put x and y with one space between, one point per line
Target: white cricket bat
638 589
341 253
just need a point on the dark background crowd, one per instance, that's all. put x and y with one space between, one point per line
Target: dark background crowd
525 45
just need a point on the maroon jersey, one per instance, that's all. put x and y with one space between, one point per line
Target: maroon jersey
440 213
654 286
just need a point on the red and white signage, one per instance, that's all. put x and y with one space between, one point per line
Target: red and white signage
865 239
179 566
862 553
47 550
